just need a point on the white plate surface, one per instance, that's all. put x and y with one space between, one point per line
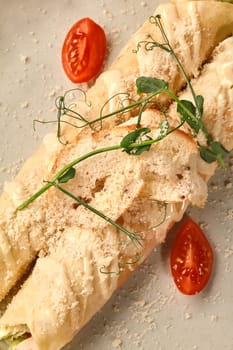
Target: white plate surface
148 313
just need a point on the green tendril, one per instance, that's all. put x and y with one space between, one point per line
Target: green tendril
139 140
62 110
127 98
152 228
132 236
189 112
120 266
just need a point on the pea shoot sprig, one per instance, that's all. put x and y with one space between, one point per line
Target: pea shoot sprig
140 139
193 112
135 144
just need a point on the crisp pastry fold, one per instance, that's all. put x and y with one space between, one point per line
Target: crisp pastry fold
145 194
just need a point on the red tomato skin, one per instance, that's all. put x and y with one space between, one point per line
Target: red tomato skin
84 47
191 259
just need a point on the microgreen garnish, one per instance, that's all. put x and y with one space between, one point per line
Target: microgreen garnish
62 109
190 112
214 152
64 172
136 136
68 172
140 139
68 175
152 228
150 85
126 99
194 123
134 237
167 47
66 110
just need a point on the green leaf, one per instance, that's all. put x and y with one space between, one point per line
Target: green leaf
69 174
150 85
207 155
134 137
215 152
192 120
218 148
200 103
136 151
220 152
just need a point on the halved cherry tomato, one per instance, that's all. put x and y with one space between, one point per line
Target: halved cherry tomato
83 51
191 259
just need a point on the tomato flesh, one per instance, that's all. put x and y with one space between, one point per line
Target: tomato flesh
191 259
83 51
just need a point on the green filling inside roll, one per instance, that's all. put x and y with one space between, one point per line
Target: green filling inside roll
12 339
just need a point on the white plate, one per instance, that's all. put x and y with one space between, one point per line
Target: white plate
148 312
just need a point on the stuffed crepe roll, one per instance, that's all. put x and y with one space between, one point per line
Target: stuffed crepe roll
194 29
144 186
